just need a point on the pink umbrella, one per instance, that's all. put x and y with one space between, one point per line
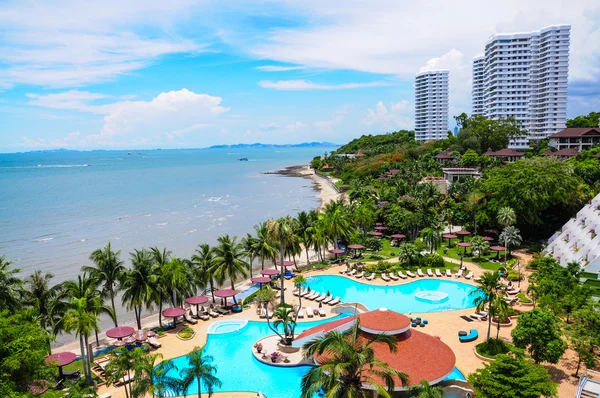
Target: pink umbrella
465 245
61 359
375 233
355 248
120 332
225 293
196 300
269 272
260 279
449 237
497 249
130 340
140 335
286 263
381 228
336 251
462 234
173 312
398 236
378 224
488 238
118 343
491 231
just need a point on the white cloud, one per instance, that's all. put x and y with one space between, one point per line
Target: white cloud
71 100
397 115
277 68
308 85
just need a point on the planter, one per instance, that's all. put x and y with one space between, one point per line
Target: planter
186 338
526 304
486 359
288 349
503 325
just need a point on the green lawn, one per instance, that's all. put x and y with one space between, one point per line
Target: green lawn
483 262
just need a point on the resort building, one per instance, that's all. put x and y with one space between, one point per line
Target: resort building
445 157
507 155
575 138
431 105
525 75
565 153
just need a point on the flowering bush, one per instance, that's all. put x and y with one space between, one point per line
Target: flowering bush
275 357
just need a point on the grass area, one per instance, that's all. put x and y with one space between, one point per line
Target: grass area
523 298
186 332
494 347
483 262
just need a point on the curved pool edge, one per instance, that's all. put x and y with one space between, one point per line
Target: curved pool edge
240 323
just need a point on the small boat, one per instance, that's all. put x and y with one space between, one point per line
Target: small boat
243 159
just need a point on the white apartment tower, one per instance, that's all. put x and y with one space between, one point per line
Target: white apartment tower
431 105
525 75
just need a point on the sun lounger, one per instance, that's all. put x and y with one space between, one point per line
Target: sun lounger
322 312
352 272
105 395
212 313
327 299
401 275
223 311
438 273
459 273
262 313
124 380
420 273
298 292
385 277
334 301
269 314
511 300
410 274
360 275
449 273
393 276
478 278
479 317
204 317
312 295
429 273
513 291
154 343
469 275
322 297
309 312
189 319
370 277
301 313
343 271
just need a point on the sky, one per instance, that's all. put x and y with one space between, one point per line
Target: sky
184 73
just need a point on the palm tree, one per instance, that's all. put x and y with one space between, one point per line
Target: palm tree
480 245
201 370
300 283
139 284
409 253
123 363
164 383
337 223
500 310
346 363
154 379
506 216
426 390
109 271
82 321
286 319
161 258
303 227
488 288
264 247
280 231
364 216
511 237
203 258
249 243
177 279
474 197
432 238
228 262
11 287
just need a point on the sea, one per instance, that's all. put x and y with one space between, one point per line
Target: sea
57 207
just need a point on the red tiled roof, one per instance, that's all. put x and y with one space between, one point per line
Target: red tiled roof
577 132
444 155
565 152
505 152
359 154
325 327
383 320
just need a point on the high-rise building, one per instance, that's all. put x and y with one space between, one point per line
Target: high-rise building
431 105
525 75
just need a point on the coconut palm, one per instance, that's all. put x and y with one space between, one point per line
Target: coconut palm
249 243
160 259
303 228
11 287
500 310
300 283
203 260
82 321
337 223
488 288
201 370
154 379
164 382
426 390
122 365
177 279
409 253
264 247
474 198
229 261
432 238
511 237
347 363
109 271
506 216
480 245
42 295
281 231
139 284
364 216
286 319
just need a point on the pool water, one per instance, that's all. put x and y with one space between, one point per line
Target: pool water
238 370
228 326
399 298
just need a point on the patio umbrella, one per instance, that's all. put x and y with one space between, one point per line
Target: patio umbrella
462 235
269 272
378 224
381 228
120 332
378 234
449 237
130 340
491 231
196 300
355 248
465 245
174 312
336 252
61 359
488 239
224 293
141 335
286 263
260 279
397 236
497 249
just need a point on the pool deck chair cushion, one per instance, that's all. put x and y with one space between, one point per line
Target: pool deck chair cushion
472 336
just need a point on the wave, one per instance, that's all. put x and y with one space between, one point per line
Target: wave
43 239
47 166
162 223
214 198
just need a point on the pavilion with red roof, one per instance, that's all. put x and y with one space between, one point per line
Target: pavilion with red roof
418 354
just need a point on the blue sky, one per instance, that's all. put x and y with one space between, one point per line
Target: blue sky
185 73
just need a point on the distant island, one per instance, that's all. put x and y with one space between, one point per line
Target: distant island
259 145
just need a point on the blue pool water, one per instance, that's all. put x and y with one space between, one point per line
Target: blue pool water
399 298
238 370
456 375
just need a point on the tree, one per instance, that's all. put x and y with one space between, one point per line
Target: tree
500 310
506 216
480 245
11 287
584 335
409 253
426 390
432 238
512 376
22 353
336 222
591 120
154 379
228 262
281 232
511 237
249 243
139 284
474 198
82 321
538 331
177 279
481 134
201 370
300 283
203 258
348 364
43 296
264 247
469 159
287 320
488 289
160 258
164 382
123 364
109 271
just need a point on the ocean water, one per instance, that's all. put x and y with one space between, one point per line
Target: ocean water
57 207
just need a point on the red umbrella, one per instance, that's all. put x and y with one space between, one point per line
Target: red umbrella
488 238
260 279
142 334
462 234
336 251
61 359
120 332
174 312
398 236
449 236
497 249
375 233
465 245
130 340
119 343
378 224
356 247
491 231
196 300
269 272
286 263
381 228
225 293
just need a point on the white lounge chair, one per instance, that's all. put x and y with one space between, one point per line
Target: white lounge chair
334 301
312 296
105 395
321 297
429 273
511 300
437 272
270 314
298 292
449 273
204 316
360 275
322 312
393 276
420 273
189 319
370 277
343 271
477 278
459 273
401 275
469 275
410 274
479 317
513 291
352 272
327 299
309 312
301 313
385 277
153 341
213 313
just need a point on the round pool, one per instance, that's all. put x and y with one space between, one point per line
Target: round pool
430 296
228 326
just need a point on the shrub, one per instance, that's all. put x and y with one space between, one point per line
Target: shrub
383 266
523 298
433 261
275 356
514 276
493 347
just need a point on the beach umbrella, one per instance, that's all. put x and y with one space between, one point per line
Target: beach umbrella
118 343
465 245
286 263
355 248
269 272
488 239
61 359
449 237
462 235
196 300
120 332
336 252
260 279
497 249
381 228
378 224
174 312
491 231
224 293
141 335
397 236
378 234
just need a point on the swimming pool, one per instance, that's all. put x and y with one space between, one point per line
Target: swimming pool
399 298
238 370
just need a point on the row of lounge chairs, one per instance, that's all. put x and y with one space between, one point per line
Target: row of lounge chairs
317 296
309 312
401 275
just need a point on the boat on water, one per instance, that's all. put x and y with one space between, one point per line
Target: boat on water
243 159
